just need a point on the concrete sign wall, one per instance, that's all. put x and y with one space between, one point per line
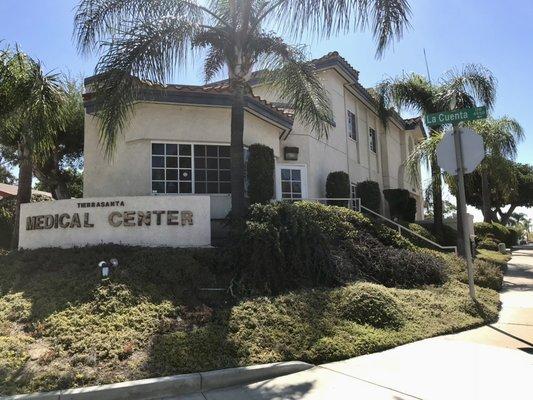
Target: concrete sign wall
175 221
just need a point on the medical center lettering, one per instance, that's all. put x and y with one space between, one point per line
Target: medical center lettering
114 218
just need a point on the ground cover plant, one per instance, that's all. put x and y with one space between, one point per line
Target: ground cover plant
62 326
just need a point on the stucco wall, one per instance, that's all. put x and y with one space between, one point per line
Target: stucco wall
128 172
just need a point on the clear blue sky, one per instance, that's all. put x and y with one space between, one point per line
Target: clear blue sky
495 33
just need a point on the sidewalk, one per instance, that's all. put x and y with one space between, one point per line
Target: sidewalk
492 362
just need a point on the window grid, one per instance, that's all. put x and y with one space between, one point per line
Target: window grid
190 168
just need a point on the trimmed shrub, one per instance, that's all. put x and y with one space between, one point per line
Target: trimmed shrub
289 246
410 212
488 275
397 200
367 303
260 174
488 244
370 195
497 232
338 187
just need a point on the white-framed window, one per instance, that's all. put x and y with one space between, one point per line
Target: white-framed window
352 125
190 168
291 182
372 140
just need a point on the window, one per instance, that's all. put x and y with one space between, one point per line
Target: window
352 125
372 140
188 168
353 190
291 184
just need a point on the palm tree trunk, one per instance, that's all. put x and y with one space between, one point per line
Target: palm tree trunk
238 206
24 189
485 190
436 184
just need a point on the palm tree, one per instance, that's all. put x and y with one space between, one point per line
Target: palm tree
30 105
458 88
501 137
150 39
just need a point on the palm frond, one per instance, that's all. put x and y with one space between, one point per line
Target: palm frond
149 51
388 18
422 154
97 20
295 80
464 87
408 92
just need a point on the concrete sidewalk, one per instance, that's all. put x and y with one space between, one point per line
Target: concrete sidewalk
486 363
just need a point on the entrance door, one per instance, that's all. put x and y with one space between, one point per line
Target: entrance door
291 182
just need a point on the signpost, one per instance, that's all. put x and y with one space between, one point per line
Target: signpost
445 155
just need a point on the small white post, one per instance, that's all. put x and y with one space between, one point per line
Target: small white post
462 207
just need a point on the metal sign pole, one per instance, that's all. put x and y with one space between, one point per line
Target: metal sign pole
462 207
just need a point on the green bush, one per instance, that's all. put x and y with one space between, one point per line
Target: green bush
419 229
299 245
7 215
260 174
488 244
488 275
494 230
410 213
338 187
367 303
370 195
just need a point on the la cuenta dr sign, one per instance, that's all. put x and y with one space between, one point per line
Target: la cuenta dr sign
456 116
175 221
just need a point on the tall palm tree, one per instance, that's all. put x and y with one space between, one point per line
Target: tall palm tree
150 39
458 88
501 137
30 115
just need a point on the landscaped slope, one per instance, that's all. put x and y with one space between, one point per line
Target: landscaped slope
62 326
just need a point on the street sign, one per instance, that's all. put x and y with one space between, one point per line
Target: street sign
472 146
456 116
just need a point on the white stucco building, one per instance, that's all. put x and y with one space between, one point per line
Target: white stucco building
177 142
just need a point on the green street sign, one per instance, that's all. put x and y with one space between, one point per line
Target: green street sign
455 116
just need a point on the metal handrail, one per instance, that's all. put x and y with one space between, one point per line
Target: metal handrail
359 207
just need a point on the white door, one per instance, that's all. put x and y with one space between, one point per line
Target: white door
291 182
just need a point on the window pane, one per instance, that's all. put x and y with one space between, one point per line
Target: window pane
200 187
285 186
212 163
286 174
158 187
296 175
185 175
158 174
212 176
199 162
199 150
297 187
212 187
172 187
185 149
225 163
297 196
212 151
158 162
199 175
158 149
225 188
223 151
185 187
172 162
172 174
185 162
172 149
286 196
225 175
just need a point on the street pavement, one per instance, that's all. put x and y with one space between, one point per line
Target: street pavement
492 362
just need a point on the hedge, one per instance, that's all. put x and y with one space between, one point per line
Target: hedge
338 187
402 206
496 232
370 195
260 174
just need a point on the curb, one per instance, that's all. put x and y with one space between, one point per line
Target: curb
173 385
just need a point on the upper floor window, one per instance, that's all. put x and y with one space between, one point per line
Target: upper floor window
372 140
190 168
352 125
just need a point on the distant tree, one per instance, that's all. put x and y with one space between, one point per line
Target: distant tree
30 116
5 174
500 137
58 170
